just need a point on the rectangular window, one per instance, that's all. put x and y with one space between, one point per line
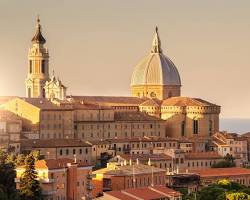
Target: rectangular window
195 126
30 66
43 66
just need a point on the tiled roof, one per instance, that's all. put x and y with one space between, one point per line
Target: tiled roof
53 143
141 139
186 101
146 193
55 163
216 141
7 115
46 104
203 155
152 102
85 105
4 99
246 134
145 157
128 170
120 195
134 139
111 100
221 172
134 116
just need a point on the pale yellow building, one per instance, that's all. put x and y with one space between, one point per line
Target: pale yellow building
10 131
154 109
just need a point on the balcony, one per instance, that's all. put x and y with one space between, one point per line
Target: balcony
17 180
48 193
47 180
89 186
90 176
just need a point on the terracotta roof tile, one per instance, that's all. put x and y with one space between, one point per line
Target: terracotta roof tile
47 143
111 100
145 157
203 155
186 101
120 195
221 172
146 193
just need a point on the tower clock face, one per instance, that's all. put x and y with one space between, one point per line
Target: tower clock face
152 94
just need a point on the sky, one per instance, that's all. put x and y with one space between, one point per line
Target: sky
95 45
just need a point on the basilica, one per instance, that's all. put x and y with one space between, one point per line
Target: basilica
155 107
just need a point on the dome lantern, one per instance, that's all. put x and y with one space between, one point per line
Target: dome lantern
38 37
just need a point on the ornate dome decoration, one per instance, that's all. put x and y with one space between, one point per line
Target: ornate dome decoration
38 37
156 69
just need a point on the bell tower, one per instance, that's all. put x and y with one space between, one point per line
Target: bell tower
38 65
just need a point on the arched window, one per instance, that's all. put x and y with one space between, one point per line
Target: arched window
183 128
30 66
29 92
210 127
43 93
170 94
43 66
195 126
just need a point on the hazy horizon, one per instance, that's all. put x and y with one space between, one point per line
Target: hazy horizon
94 46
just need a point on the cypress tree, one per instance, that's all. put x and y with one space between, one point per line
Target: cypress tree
29 185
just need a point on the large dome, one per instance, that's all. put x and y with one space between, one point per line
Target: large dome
156 68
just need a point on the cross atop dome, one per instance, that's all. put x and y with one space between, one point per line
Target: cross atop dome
38 37
156 44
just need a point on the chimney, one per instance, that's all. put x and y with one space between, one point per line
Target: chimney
75 158
149 162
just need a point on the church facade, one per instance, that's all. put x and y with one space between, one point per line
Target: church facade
155 107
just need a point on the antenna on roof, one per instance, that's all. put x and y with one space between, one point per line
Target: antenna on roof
133 176
149 162
74 158
152 178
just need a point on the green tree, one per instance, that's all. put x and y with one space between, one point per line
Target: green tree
237 196
29 185
212 192
227 162
7 177
20 160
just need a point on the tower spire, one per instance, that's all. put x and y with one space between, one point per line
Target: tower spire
38 37
156 44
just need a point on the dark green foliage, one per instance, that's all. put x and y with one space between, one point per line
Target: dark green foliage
212 192
223 190
29 185
227 162
7 177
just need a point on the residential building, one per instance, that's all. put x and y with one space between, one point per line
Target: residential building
60 148
63 179
115 177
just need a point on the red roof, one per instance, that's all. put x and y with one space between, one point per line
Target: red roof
203 155
56 163
146 193
221 172
120 195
